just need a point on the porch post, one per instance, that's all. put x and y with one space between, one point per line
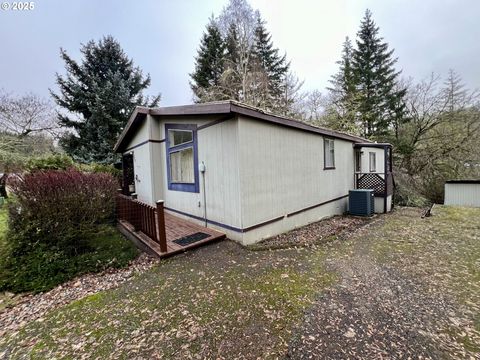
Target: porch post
162 237
118 205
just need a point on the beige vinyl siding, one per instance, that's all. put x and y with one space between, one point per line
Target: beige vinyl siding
380 204
141 162
282 171
462 194
379 159
218 149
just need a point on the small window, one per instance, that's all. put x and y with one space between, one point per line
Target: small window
329 153
178 137
182 166
358 161
373 162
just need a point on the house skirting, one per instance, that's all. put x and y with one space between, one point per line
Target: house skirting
263 230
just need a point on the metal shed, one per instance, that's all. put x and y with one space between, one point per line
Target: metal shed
462 193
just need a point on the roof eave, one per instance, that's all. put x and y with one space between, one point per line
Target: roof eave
246 111
134 118
226 107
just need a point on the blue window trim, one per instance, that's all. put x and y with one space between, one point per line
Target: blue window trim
183 186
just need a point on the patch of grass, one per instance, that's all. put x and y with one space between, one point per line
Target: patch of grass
232 302
43 268
443 249
443 252
3 231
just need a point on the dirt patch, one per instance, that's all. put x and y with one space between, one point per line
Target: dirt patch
314 233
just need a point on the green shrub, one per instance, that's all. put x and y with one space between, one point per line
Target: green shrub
50 162
44 267
64 162
100 168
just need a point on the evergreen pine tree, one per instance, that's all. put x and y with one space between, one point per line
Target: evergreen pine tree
379 101
231 77
274 66
209 65
103 89
342 113
253 71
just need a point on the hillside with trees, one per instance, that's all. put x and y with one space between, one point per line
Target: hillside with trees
434 123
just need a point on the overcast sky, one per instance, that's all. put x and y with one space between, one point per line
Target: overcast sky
162 37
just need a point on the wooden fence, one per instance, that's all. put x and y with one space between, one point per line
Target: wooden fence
142 217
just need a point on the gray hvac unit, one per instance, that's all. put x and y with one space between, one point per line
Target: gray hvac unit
361 202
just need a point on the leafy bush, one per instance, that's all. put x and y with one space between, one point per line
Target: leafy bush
59 207
50 162
100 168
54 222
64 162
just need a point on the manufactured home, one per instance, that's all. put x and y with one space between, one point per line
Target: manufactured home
244 172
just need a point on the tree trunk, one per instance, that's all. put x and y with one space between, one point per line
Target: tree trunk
3 186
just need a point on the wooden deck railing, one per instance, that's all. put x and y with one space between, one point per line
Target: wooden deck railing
143 217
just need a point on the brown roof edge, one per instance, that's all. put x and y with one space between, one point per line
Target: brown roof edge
134 118
246 110
466 181
229 106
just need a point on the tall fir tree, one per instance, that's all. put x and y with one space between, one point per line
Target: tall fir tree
274 66
231 77
342 111
379 100
209 65
103 89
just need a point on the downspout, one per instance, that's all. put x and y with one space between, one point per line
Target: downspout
202 169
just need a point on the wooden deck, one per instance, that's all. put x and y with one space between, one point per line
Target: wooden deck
175 228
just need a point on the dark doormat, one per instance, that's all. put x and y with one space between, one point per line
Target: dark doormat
190 239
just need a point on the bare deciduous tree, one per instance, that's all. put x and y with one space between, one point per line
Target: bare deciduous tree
314 106
442 120
27 114
441 137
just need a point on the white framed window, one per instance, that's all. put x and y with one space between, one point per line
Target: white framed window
329 153
372 161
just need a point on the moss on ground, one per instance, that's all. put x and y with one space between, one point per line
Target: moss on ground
187 305
223 299
441 251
